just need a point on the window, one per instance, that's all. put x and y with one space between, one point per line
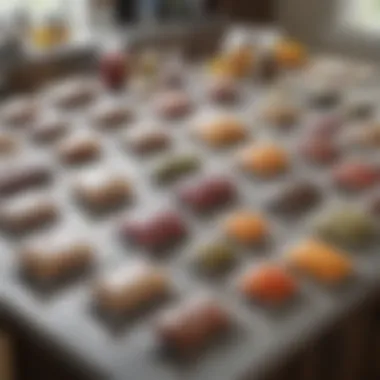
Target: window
363 14
76 11
350 27
29 5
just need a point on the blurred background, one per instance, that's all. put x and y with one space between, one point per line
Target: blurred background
33 29
316 21
36 33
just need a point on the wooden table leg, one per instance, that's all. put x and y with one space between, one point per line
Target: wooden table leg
6 359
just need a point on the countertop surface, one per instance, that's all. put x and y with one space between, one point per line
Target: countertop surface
65 319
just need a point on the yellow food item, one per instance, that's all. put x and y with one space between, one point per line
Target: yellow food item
290 54
49 36
281 115
320 261
268 283
236 64
246 227
222 132
266 160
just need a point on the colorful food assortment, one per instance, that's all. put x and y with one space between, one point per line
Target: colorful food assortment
169 151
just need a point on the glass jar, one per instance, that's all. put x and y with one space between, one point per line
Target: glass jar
50 28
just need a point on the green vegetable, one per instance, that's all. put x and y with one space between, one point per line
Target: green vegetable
175 167
216 257
348 226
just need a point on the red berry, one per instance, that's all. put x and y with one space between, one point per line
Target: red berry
113 70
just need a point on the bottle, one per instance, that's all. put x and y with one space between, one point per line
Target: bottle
114 68
211 6
50 28
126 11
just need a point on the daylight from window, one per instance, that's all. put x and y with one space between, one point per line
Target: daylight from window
362 14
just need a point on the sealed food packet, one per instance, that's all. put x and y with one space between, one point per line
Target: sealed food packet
19 112
111 114
131 288
79 148
50 129
74 93
192 326
173 104
27 212
102 190
53 258
157 232
221 132
147 141
24 176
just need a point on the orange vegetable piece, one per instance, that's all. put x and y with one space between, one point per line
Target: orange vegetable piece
321 261
269 283
290 54
236 64
247 228
222 132
266 160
